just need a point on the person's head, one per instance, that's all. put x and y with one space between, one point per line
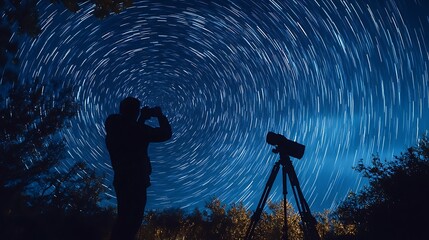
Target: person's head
130 108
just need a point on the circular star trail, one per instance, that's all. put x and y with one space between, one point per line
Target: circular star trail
348 79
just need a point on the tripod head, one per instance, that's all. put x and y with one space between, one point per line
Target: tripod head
284 157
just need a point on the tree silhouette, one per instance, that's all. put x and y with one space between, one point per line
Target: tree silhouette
394 204
102 8
39 197
29 141
33 185
22 17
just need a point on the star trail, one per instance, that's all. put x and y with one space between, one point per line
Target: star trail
348 79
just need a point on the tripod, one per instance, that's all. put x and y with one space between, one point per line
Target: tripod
308 221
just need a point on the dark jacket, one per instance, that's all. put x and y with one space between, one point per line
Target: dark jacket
127 142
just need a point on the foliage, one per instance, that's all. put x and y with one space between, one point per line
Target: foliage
273 223
32 186
42 197
8 55
329 227
102 8
24 14
22 17
31 119
219 221
394 205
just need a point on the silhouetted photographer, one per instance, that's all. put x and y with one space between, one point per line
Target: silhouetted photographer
127 141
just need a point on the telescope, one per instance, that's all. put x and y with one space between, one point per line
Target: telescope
285 146
286 149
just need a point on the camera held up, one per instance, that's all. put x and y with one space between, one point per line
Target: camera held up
284 145
148 112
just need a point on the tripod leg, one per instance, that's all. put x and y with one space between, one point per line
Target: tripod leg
308 221
257 214
285 227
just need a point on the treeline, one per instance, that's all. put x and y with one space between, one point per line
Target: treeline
219 221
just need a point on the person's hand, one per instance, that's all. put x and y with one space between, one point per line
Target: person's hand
145 113
157 112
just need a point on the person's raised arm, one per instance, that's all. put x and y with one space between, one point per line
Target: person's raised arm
158 134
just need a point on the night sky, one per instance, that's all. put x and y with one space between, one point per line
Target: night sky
348 79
